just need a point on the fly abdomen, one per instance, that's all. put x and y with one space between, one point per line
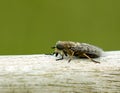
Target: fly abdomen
88 49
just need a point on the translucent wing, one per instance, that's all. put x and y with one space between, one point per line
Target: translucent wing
87 48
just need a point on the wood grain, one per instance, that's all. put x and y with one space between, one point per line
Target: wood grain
43 74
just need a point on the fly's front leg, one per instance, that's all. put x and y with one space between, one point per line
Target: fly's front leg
90 58
62 55
60 58
56 54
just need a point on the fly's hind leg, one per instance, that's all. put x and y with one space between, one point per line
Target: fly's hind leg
90 58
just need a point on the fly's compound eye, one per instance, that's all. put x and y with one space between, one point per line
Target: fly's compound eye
59 46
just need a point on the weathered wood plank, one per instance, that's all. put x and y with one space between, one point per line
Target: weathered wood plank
42 74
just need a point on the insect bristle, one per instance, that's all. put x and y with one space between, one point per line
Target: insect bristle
53 47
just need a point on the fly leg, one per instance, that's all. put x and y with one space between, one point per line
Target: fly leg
71 57
62 54
60 58
90 58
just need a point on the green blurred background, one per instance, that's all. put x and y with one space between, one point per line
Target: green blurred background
33 26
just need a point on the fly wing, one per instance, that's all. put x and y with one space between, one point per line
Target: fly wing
87 48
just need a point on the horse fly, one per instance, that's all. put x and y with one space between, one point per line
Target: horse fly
81 50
